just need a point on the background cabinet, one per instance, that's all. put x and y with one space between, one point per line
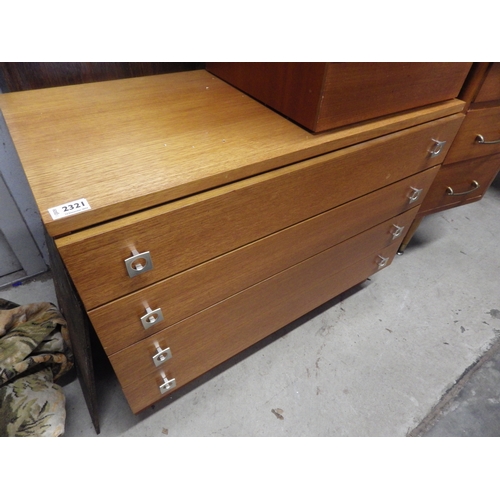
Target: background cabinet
473 161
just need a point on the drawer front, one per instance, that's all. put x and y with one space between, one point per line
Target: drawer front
355 92
467 144
119 324
460 183
211 337
188 232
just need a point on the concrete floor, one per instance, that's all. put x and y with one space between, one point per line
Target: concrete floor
414 351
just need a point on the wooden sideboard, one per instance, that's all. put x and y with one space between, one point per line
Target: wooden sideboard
187 221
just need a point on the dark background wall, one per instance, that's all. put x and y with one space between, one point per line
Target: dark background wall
16 76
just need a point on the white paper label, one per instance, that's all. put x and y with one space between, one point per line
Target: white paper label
70 208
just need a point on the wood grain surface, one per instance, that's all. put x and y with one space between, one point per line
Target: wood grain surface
127 145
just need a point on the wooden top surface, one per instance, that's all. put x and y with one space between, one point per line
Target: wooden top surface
127 145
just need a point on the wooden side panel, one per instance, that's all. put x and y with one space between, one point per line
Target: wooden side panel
490 89
79 329
209 338
185 233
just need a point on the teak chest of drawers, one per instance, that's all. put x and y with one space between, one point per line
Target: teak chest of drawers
473 161
213 221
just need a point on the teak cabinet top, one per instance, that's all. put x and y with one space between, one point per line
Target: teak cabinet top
132 144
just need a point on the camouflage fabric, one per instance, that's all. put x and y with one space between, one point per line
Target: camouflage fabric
34 352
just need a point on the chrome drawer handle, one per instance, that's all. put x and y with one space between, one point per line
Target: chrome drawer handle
437 148
474 185
383 261
162 355
480 140
139 263
397 231
415 194
167 385
151 317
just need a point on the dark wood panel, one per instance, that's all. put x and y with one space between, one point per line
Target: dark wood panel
490 89
324 96
16 76
355 92
293 89
79 329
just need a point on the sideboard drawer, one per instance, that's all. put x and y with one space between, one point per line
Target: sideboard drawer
460 183
185 233
467 144
212 336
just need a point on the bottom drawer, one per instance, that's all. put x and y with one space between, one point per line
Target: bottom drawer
214 335
460 183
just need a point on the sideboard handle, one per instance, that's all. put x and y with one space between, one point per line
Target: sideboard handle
167 385
139 263
161 355
474 185
383 261
396 231
437 147
151 317
480 140
415 194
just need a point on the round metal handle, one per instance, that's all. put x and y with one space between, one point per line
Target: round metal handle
474 185
480 140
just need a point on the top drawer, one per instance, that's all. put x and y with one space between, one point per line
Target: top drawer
188 232
323 96
478 136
